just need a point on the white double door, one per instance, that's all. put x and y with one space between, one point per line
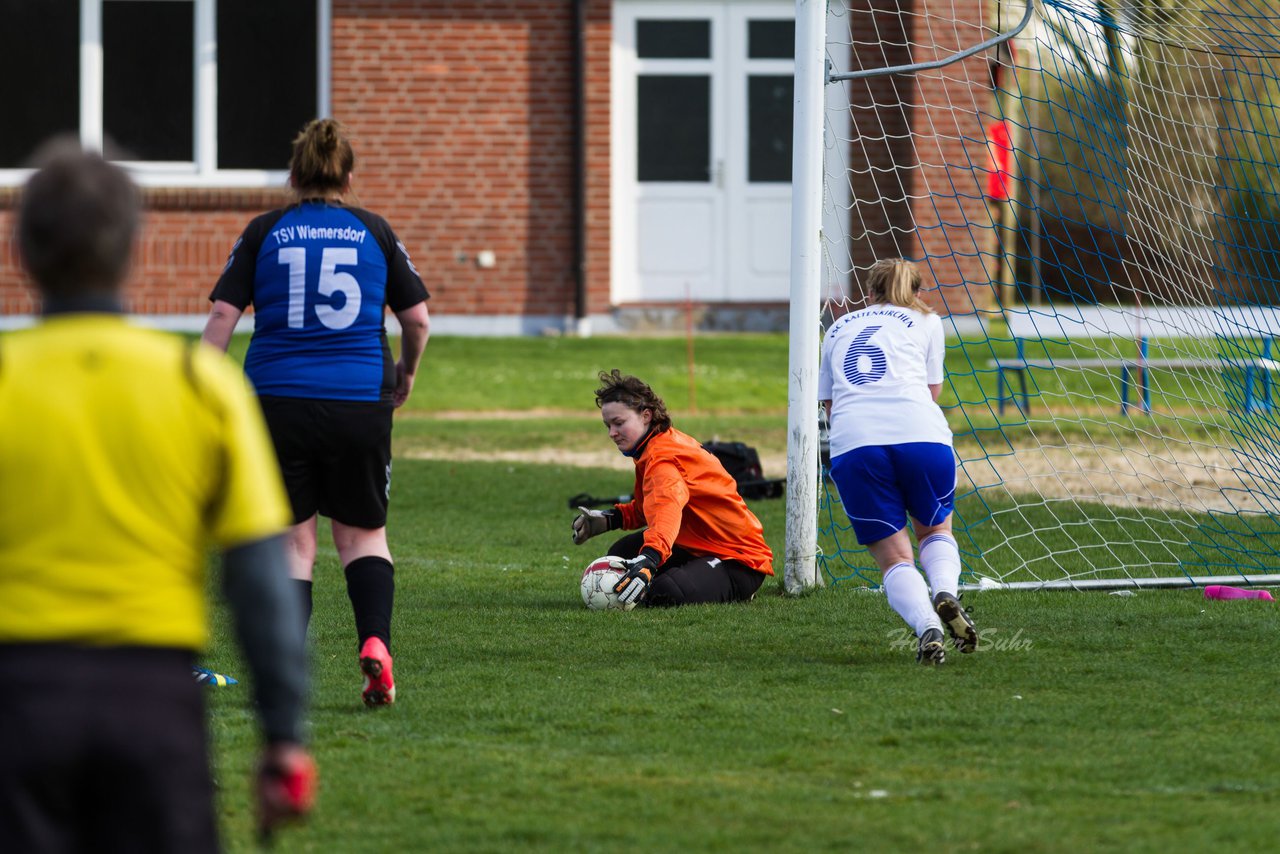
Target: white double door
702 105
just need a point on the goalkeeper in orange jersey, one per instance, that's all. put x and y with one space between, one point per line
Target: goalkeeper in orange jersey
700 543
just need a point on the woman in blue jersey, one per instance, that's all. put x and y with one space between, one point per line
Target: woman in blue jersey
891 454
320 276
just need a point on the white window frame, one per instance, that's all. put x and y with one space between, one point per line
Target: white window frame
202 171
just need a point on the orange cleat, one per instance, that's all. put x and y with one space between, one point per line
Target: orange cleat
375 664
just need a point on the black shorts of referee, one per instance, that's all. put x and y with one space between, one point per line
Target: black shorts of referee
335 457
102 749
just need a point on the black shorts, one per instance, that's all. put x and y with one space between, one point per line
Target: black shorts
102 750
335 456
689 579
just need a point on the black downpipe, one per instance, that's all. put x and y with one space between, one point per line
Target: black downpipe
580 161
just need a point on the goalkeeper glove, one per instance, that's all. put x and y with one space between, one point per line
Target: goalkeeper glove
634 584
592 523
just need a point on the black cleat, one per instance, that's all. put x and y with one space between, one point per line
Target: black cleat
931 651
953 616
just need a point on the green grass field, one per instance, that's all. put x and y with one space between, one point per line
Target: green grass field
526 723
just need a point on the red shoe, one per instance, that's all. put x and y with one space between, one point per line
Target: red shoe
375 663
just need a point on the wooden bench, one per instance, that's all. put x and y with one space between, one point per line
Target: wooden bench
1261 322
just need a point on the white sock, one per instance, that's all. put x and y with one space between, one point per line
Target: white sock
940 557
909 596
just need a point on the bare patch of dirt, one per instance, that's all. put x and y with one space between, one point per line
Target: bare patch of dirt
603 458
1165 476
495 414
1170 476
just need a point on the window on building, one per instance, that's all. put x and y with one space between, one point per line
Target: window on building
38 41
680 39
673 115
769 110
183 91
768 39
148 79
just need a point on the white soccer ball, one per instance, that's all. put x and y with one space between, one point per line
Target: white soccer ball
597 587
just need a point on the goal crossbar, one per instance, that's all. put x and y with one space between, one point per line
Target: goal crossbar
931 65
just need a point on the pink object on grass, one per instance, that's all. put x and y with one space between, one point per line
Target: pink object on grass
1222 591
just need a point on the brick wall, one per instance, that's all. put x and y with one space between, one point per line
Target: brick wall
461 113
949 143
915 141
462 118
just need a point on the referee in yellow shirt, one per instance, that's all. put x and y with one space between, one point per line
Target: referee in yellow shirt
125 454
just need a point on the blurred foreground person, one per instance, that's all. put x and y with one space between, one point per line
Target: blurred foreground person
124 455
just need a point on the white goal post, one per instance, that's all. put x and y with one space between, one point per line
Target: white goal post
803 473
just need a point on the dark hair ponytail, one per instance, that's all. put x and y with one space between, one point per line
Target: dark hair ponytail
322 159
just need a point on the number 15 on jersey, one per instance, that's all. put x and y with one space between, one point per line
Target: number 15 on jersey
332 283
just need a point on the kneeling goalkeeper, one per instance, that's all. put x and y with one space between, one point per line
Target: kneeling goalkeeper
700 543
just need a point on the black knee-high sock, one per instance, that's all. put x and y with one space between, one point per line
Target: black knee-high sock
371 585
304 596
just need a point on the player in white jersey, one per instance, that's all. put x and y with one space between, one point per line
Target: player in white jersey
891 454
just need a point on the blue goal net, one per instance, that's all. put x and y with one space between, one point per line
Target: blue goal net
1097 200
